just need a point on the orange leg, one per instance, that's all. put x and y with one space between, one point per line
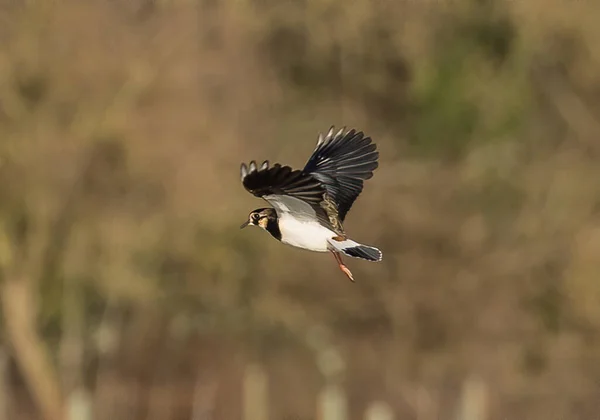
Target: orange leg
343 267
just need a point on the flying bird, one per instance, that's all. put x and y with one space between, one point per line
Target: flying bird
309 205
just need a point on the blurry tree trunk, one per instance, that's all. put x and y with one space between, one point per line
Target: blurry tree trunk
204 397
4 385
107 341
256 399
71 345
379 411
473 404
332 403
79 405
30 352
72 351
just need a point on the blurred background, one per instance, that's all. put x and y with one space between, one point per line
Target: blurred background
128 291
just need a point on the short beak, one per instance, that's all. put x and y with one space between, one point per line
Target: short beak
246 223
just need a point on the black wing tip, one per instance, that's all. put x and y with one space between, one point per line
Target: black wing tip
252 167
278 179
343 135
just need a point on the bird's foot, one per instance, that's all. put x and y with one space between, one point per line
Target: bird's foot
347 272
342 266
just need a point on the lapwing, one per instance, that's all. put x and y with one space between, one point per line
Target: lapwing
309 205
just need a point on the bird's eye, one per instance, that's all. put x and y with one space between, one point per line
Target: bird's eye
255 217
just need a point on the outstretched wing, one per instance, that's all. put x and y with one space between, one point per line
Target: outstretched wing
287 190
342 162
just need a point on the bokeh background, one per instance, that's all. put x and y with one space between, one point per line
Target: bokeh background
129 292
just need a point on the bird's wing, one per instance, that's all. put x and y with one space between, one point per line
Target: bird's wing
342 162
287 190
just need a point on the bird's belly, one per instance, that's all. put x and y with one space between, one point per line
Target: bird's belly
304 234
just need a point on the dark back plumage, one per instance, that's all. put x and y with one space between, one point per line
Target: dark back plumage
342 162
328 185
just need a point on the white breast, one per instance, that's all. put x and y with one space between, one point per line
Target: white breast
304 234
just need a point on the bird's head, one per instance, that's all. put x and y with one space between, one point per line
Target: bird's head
260 217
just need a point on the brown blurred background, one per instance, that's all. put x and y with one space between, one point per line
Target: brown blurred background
129 292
